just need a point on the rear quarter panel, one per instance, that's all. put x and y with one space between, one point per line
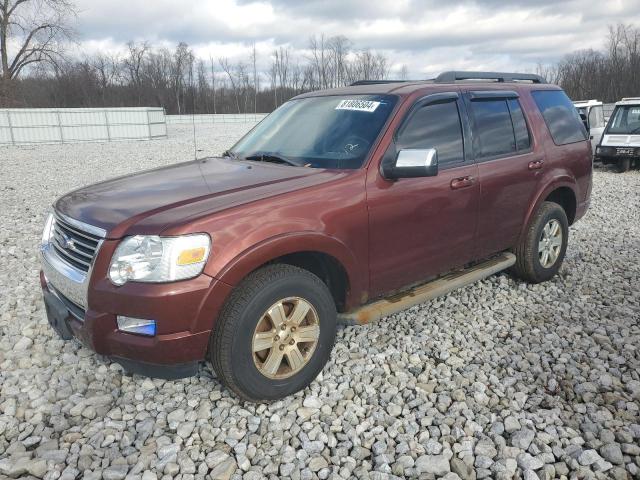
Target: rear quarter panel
568 165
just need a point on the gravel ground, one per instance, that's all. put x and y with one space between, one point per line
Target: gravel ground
499 379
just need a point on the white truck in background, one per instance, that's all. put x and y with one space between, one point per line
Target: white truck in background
620 142
593 113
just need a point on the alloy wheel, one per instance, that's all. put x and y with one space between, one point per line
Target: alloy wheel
285 338
550 243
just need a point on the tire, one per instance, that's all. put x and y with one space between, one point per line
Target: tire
245 320
624 165
529 264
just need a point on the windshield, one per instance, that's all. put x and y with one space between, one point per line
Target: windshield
625 119
318 132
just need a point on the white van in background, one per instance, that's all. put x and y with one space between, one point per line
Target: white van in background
593 111
621 139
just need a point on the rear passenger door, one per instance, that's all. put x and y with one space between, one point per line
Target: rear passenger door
509 167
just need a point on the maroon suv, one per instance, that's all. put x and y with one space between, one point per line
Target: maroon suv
334 202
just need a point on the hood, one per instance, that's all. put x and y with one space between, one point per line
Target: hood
620 140
211 184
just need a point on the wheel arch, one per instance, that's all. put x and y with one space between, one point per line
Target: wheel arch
562 192
322 255
566 198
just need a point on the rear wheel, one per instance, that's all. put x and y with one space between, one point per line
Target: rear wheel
540 254
624 164
274 334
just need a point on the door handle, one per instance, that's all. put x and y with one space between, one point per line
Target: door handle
536 165
463 182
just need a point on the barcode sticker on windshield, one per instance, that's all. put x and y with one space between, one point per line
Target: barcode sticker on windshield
359 105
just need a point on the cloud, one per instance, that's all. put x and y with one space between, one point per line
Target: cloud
426 35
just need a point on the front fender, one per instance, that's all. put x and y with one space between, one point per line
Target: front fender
271 248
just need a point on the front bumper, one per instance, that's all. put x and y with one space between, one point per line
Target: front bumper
184 313
609 154
83 303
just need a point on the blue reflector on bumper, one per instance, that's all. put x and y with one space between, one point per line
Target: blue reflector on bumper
137 325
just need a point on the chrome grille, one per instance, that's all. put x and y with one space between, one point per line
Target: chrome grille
74 245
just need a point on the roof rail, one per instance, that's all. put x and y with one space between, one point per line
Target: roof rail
630 99
376 82
453 76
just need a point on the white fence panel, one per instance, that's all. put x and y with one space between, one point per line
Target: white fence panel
38 134
215 118
40 125
5 130
158 130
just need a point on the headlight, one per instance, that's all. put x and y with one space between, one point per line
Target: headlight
47 233
605 150
154 259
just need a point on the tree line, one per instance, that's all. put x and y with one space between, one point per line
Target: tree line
182 83
607 75
39 73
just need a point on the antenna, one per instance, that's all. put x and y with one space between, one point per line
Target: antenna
193 123
193 112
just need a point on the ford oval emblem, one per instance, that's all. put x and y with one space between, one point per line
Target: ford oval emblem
67 243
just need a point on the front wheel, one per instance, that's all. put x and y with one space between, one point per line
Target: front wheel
275 333
540 253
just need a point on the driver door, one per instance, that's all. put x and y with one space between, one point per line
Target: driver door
421 227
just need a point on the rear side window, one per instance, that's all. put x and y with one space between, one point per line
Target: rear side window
435 126
561 116
493 128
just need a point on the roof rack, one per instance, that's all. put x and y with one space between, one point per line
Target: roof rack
453 76
376 82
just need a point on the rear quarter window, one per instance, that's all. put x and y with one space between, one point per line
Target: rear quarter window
561 116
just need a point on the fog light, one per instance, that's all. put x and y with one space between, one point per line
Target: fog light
137 325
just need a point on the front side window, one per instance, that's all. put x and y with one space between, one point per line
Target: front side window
625 120
319 132
561 116
438 126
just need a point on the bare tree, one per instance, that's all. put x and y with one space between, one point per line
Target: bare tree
213 83
404 72
226 67
338 49
607 75
256 86
177 81
273 76
39 28
134 64
106 68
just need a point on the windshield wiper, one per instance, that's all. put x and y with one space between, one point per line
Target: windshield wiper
271 157
230 154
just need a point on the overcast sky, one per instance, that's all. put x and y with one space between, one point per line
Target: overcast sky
429 36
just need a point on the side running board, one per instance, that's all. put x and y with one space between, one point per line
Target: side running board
428 291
